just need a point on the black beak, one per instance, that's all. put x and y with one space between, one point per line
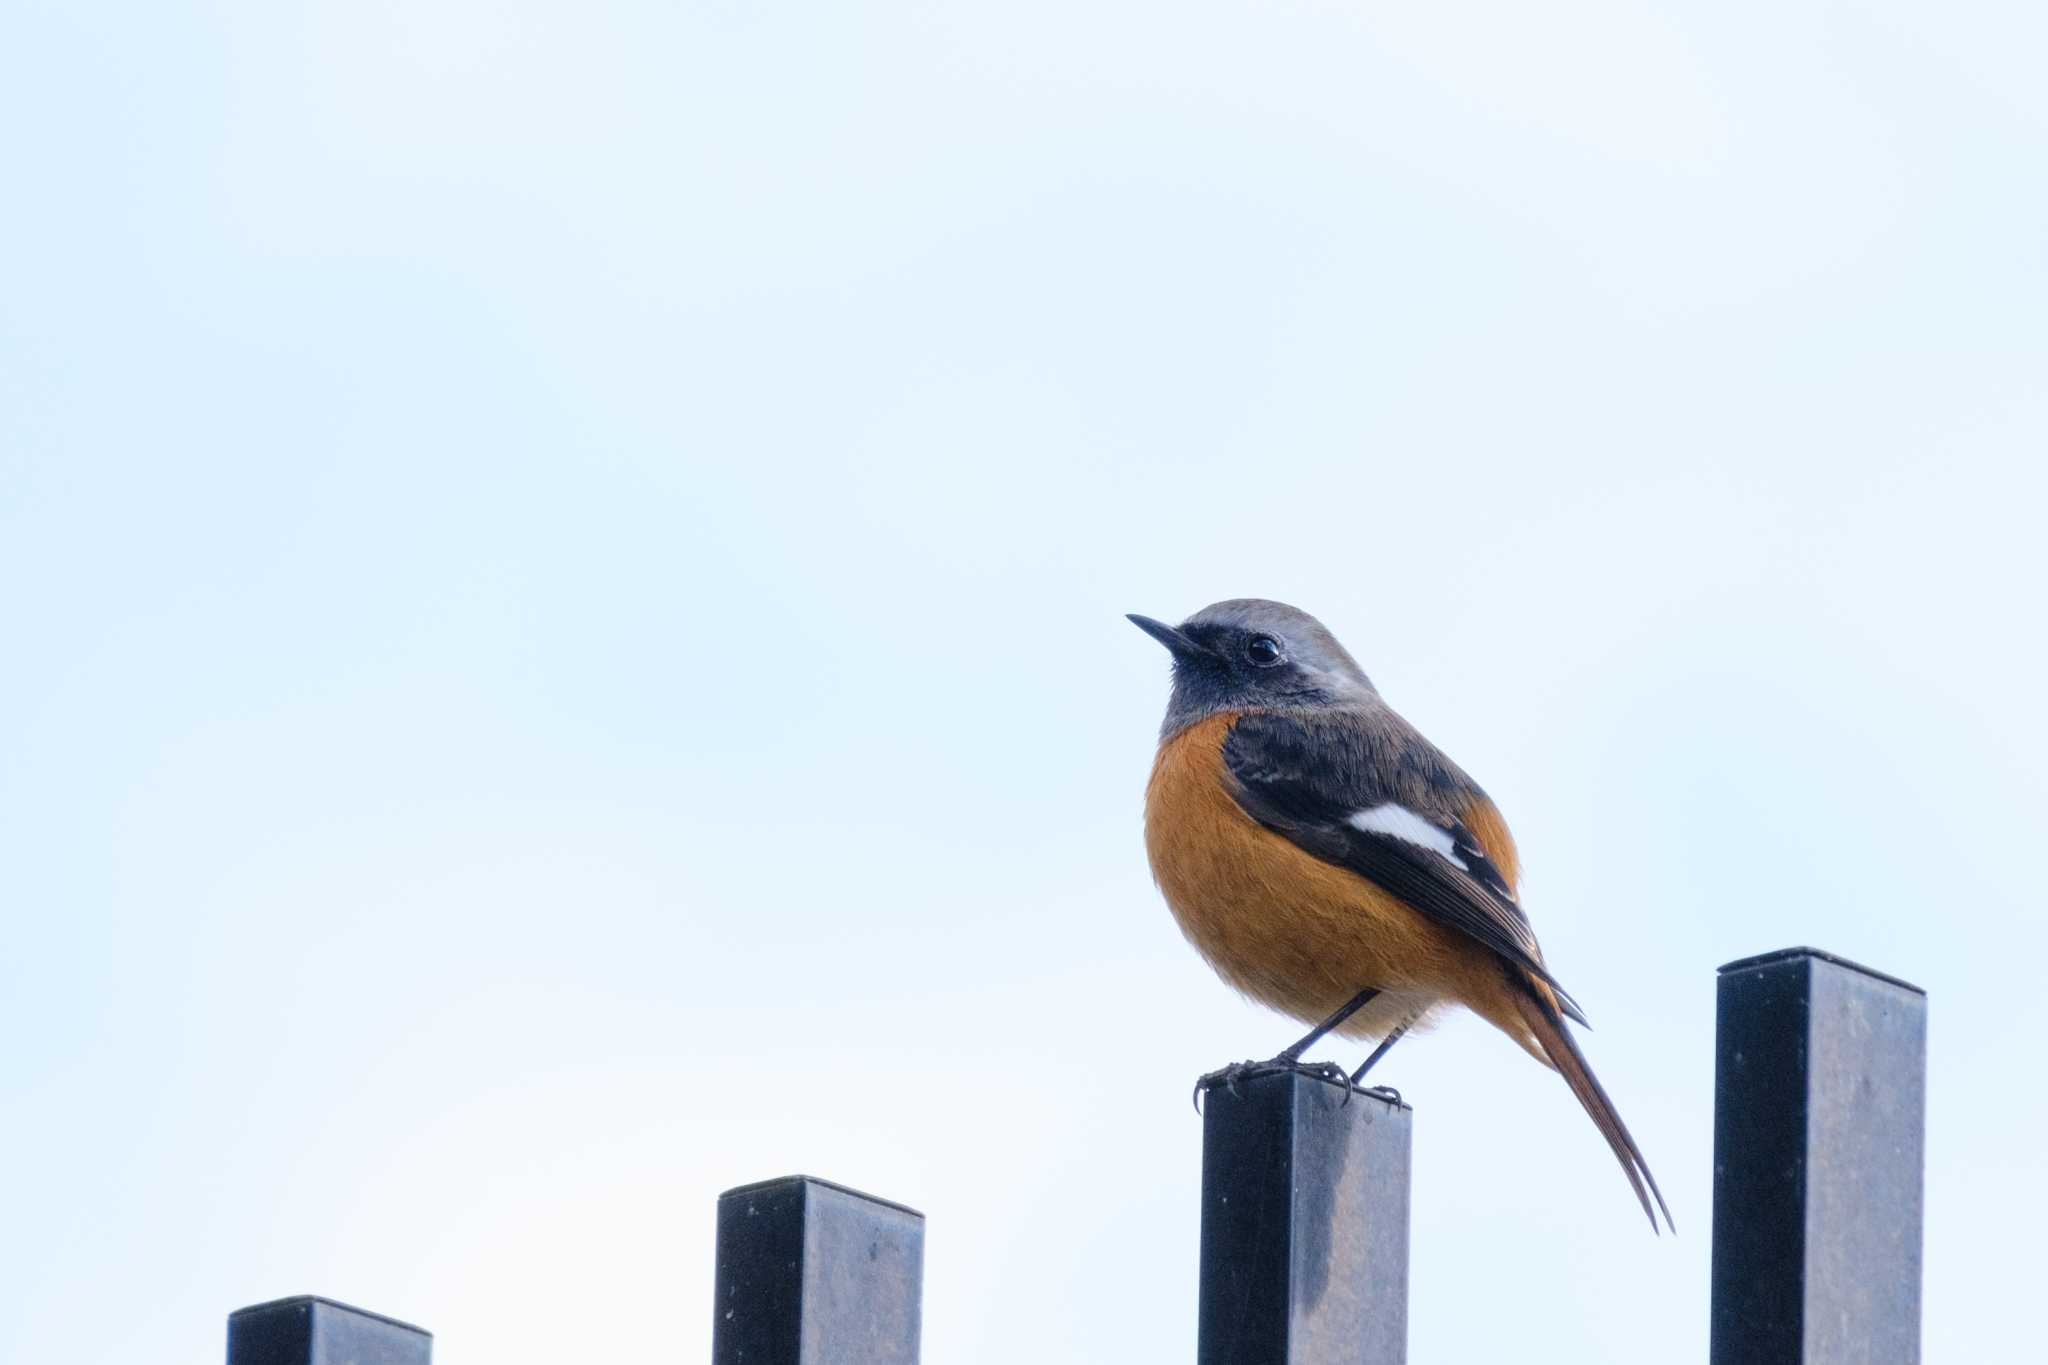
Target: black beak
1172 638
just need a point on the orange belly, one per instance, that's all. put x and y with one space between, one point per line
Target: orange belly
1286 928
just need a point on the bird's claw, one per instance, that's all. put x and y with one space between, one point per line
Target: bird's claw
1229 1076
1226 1076
1327 1071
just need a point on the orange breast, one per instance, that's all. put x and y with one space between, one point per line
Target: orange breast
1286 928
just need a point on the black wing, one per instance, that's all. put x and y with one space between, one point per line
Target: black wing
1372 797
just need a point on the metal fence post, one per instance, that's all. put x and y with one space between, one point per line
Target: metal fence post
1304 1225
313 1331
812 1273
1820 1094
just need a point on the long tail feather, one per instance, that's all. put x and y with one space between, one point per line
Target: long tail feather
1545 1021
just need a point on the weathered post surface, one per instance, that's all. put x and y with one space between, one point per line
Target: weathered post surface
1304 1225
1820 1118
313 1331
812 1273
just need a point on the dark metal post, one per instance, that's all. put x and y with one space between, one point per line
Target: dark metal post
313 1331
1820 1102
1304 1225
812 1273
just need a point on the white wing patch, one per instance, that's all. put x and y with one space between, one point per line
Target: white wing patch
1402 823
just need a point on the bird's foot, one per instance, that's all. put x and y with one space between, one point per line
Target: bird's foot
1382 1092
1229 1076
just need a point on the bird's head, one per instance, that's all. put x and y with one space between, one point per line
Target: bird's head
1250 653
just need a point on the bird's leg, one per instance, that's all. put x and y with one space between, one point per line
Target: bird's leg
1344 1011
1386 1046
1289 1059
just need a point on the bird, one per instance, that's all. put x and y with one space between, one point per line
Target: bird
1330 862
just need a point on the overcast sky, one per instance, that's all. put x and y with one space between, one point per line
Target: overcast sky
562 571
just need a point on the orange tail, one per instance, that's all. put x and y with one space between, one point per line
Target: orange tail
1548 1025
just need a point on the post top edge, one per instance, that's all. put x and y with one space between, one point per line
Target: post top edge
1787 954
308 1300
1379 1095
775 1182
1298 1082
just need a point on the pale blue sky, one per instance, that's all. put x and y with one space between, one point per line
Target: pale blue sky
563 571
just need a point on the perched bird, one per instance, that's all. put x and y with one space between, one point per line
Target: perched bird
1330 862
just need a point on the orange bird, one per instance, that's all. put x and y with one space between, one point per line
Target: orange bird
1332 863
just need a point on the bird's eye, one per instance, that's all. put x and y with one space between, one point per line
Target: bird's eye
1262 650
